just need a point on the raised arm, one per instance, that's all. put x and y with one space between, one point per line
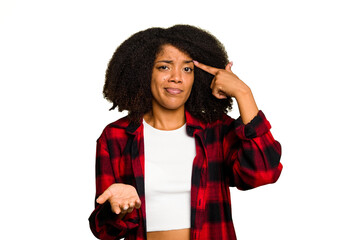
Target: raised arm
251 153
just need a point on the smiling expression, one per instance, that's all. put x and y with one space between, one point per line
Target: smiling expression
172 78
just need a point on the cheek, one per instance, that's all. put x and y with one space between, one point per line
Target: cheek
153 87
160 79
190 84
157 79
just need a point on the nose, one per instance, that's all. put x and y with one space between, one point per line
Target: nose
176 76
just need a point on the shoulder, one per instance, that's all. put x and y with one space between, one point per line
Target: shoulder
224 121
218 127
192 121
116 129
121 123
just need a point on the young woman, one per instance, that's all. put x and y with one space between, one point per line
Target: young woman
164 170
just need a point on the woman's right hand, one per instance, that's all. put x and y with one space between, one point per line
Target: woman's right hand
123 198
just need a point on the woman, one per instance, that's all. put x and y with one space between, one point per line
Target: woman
164 170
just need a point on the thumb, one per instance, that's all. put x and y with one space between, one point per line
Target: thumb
104 197
228 66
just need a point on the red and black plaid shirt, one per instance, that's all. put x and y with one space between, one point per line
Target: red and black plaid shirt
228 153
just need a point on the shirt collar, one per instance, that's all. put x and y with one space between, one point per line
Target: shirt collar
133 127
192 124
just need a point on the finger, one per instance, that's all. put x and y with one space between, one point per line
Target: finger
137 203
218 93
222 95
130 209
131 205
212 85
228 66
125 207
104 197
115 208
206 68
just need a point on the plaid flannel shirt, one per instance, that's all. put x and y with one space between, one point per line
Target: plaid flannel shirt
228 153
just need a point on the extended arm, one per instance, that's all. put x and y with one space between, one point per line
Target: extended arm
113 216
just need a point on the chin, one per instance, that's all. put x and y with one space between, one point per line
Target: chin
173 106
169 104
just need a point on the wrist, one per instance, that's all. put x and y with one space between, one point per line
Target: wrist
244 93
247 106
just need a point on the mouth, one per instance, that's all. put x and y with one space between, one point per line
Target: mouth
173 91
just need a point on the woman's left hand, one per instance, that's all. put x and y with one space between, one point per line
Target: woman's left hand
225 83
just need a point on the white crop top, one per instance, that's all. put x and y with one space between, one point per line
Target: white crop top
168 163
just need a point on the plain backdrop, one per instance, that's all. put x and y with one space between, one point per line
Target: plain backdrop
300 58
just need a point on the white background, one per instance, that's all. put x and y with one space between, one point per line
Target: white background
300 58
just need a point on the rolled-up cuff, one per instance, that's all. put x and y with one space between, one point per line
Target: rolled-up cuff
257 127
106 225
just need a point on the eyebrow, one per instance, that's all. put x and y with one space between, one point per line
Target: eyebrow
170 61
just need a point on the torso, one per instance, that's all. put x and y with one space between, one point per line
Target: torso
178 234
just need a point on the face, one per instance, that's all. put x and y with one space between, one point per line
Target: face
172 79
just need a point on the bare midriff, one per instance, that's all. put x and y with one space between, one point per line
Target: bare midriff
178 234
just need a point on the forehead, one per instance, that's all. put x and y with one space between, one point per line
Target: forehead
171 52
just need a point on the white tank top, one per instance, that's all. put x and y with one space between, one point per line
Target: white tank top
168 161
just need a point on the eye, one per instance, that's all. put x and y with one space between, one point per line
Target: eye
163 67
188 69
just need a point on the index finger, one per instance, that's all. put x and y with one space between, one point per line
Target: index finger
206 68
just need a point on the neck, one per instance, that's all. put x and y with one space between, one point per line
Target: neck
165 119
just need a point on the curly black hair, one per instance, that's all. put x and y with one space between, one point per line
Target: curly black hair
128 76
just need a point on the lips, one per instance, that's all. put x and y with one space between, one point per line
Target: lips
173 91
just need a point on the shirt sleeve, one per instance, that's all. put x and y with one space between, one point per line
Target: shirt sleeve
252 154
103 222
